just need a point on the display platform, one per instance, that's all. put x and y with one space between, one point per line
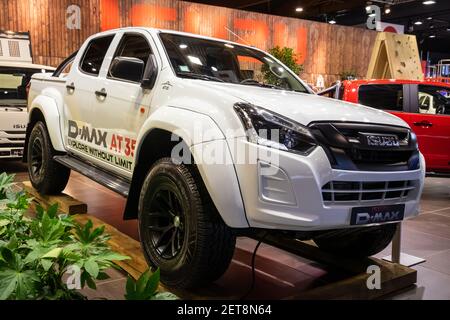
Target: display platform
394 277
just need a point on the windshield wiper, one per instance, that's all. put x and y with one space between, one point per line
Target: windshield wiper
199 76
265 85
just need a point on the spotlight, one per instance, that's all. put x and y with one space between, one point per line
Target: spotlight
418 23
428 2
299 9
387 10
432 36
332 21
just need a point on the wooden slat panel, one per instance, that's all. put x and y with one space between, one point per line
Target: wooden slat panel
323 49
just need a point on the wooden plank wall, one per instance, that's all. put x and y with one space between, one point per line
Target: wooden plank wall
46 21
322 48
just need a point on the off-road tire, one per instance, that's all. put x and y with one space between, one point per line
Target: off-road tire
51 177
358 242
208 244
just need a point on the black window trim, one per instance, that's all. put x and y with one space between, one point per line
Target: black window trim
113 35
413 105
64 64
117 49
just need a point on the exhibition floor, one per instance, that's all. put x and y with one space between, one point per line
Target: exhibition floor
280 274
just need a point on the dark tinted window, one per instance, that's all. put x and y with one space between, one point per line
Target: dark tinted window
212 60
94 54
387 97
434 99
133 46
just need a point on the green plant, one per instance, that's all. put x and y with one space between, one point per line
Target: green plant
288 58
36 253
146 288
348 75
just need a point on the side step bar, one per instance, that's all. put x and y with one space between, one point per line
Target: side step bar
112 182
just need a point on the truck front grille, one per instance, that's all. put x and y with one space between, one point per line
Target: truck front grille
12 139
343 192
346 146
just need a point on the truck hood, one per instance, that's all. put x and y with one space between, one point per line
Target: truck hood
306 108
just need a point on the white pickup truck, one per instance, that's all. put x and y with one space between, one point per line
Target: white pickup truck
16 69
210 139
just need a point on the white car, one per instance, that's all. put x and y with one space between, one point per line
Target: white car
210 139
14 78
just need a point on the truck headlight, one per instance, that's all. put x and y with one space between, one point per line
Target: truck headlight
270 129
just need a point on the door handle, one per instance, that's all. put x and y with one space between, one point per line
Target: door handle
424 123
70 88
101 94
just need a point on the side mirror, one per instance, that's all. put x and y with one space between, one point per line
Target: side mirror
127 68
150 73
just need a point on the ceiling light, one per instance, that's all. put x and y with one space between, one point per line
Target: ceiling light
387 10
299 9
430 18
432 36
428 2
183 46
418 23
332 21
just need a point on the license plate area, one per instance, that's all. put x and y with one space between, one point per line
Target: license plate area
17 152
377 214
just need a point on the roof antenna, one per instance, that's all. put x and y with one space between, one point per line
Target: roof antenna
240 38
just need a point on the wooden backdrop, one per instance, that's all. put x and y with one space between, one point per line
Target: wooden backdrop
324 49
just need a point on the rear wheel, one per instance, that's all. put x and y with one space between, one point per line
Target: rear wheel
46 175
180 230
358 242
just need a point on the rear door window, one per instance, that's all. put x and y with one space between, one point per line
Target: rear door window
434 100
95 54
385 97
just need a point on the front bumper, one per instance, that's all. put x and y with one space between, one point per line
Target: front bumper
11 153
290 197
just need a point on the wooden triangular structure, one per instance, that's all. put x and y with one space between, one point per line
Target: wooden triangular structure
395 56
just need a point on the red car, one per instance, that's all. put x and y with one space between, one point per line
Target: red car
424 105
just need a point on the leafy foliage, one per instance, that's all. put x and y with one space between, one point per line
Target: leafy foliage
287 57
146 288
36 253
348 75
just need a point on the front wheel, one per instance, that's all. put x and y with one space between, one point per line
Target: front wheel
181 231
46 175
357 242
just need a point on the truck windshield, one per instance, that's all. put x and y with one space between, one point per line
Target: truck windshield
13 83
211 60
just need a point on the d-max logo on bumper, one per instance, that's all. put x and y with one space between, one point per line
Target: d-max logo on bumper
377 214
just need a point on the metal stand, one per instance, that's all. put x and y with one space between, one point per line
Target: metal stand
397 256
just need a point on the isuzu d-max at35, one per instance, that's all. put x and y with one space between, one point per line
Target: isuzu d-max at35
210 139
